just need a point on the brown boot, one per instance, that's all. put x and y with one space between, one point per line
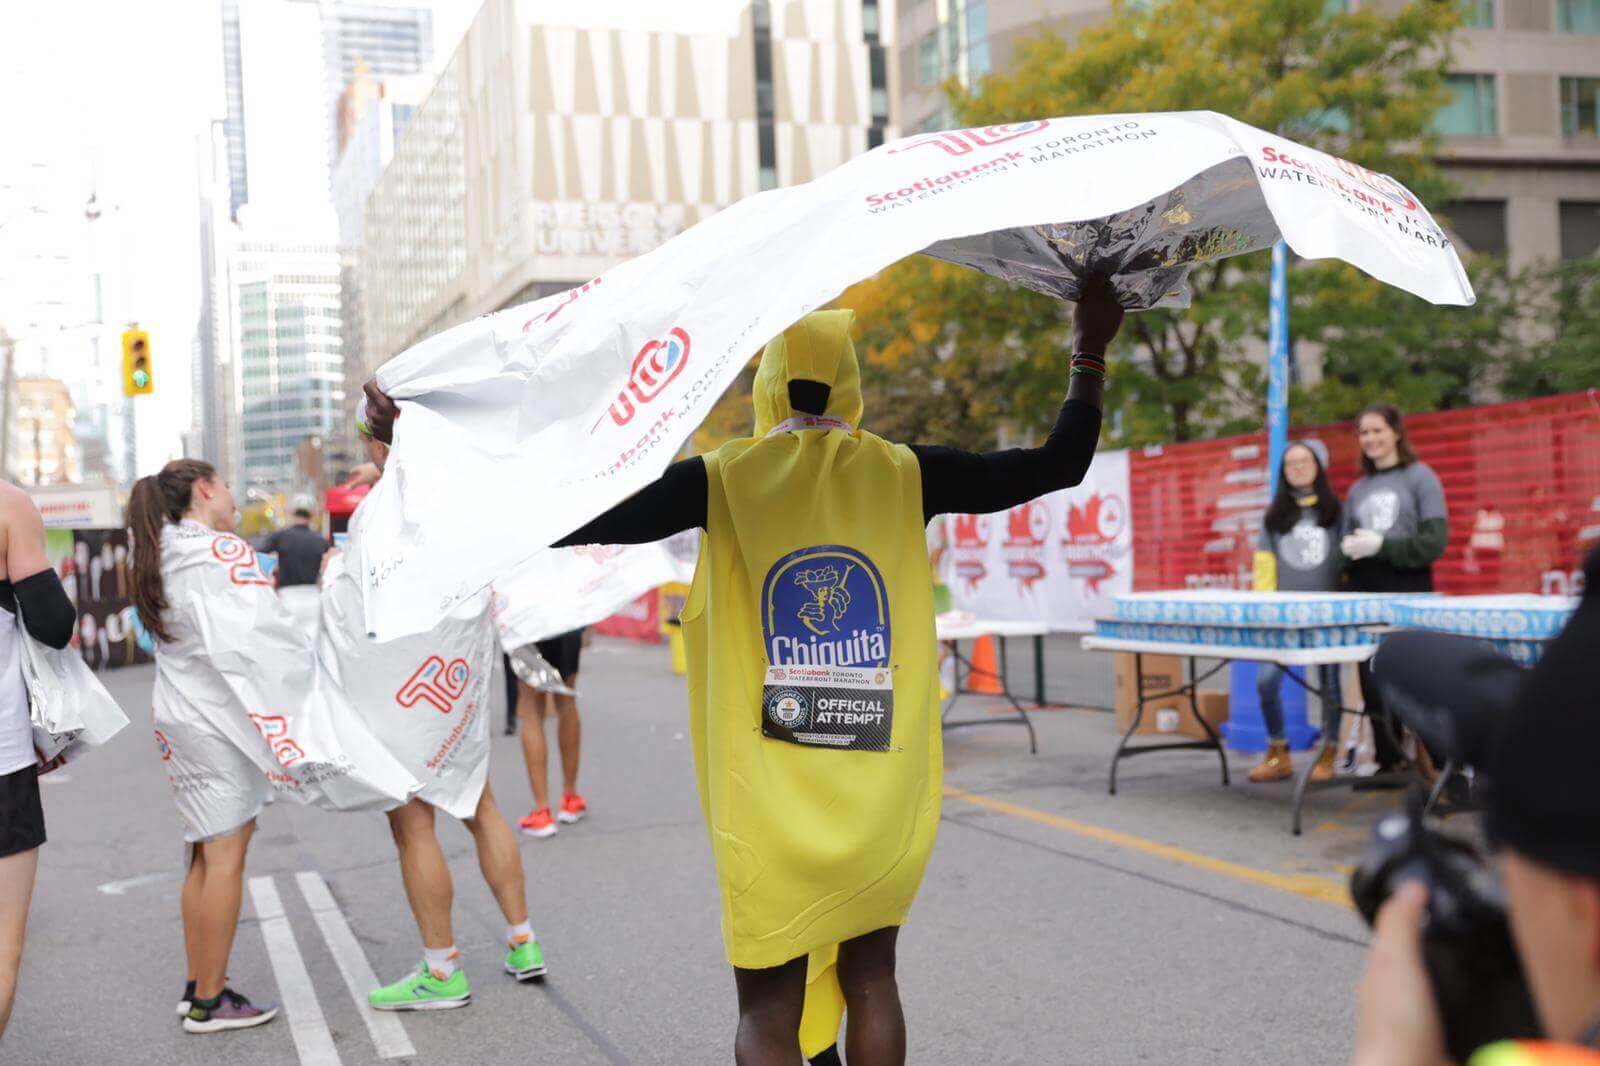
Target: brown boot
1326 770
1276 766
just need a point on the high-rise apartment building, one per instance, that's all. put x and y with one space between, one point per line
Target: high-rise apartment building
285 313
304 48
548 152
1521 137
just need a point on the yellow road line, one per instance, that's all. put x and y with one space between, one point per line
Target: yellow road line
1309 886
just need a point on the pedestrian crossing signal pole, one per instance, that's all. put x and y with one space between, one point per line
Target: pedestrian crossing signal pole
136 363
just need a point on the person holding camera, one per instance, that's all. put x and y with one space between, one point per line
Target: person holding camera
1536 749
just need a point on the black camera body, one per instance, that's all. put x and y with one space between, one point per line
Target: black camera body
1467 949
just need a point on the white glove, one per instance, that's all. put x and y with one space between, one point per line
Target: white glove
1362 544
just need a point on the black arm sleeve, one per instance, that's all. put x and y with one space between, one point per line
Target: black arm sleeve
46 610
672 503
958 482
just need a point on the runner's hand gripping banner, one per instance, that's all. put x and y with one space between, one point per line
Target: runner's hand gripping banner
582 398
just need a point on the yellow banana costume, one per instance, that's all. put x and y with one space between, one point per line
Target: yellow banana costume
814 554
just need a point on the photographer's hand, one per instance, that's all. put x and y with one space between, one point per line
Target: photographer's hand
1397 1021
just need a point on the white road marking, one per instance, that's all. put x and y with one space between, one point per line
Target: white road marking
388 1035
309 1028
120 888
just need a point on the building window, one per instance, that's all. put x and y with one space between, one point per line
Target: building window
1471 111
766 133
869 20
1580 228
928 66
1580 102
1476 14
1578 16
1480 225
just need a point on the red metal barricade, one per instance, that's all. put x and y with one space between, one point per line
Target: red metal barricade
1521 481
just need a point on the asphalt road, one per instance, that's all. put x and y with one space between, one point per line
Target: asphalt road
1178 922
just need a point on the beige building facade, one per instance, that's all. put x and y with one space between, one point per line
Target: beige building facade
1520 138
547 153
44 448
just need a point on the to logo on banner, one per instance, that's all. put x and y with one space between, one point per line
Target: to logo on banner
436 683
962 142
276 732
657 363
240 559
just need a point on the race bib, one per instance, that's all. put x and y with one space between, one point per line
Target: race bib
829 706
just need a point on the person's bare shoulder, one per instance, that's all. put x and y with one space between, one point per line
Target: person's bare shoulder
14 503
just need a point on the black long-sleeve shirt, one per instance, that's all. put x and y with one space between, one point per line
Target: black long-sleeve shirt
953 481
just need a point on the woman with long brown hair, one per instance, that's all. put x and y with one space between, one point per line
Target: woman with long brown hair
1396 526
243 713
219 790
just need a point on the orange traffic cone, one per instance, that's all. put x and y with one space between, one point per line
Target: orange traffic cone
984 677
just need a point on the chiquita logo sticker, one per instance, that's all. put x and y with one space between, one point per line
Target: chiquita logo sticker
825 606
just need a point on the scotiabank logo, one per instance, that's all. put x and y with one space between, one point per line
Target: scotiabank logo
657 363
962 142
276 731
436 683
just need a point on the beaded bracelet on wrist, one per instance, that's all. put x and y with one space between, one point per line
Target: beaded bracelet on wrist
1090 364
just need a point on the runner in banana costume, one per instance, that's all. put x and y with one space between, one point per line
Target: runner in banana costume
813 687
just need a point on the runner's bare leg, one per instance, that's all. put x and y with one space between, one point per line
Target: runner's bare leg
424 872
499 858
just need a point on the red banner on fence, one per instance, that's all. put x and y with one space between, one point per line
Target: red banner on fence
1521 482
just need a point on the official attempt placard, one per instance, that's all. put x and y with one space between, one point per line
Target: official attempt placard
829 706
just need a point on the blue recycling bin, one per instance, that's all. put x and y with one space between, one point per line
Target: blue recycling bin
1246 731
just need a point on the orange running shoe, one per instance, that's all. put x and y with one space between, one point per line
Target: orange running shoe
572 808
538 825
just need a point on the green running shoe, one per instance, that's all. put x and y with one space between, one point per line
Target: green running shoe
525 961
422 990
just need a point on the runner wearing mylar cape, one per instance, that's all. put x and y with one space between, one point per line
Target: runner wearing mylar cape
812 684
243 713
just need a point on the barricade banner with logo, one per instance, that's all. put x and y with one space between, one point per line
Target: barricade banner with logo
1521 484
1056 560
583 398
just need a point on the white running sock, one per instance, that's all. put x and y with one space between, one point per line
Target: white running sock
444 962
516 934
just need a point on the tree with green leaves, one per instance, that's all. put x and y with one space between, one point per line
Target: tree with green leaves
1363 85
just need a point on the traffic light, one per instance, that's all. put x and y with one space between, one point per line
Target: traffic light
136 364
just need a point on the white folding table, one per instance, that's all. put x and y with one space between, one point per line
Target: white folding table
1226 653
951 630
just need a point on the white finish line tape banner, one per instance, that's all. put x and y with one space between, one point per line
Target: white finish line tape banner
1057 560
576 401
562 589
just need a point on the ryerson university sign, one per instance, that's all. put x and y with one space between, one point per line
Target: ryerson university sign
568 227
